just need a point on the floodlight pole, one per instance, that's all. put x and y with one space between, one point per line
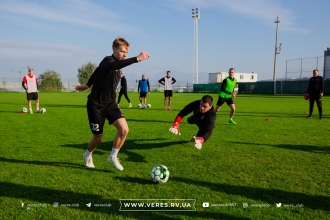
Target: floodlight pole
195 17
19 80
277 51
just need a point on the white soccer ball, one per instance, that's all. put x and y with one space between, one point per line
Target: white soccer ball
43 110
160 174
24 110
139 106
149 106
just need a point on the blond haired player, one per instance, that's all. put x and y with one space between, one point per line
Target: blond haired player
101 103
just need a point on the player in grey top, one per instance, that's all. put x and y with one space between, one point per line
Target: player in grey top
167 82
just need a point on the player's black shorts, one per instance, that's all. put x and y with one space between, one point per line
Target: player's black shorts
168 93
97 116
143 94
221 100
32 96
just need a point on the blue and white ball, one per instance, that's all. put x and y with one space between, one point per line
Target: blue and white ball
160 174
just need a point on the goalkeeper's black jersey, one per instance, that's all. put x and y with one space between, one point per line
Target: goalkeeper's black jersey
315 86
105 79
204 120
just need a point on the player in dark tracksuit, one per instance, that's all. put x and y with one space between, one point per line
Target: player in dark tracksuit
123 89
101 103
203 116
315 93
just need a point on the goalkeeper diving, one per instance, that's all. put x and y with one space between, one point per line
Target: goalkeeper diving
203 116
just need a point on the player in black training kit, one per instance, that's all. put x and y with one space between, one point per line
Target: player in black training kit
203 116
123 90
315 93
101 103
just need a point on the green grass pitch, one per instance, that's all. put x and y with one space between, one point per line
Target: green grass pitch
255 164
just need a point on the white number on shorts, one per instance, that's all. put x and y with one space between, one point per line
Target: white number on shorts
95 127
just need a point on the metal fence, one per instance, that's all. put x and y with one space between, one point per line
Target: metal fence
302 68
261 87
12 84
265 87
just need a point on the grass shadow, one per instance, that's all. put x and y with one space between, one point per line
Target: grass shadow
271 196
16 112
270 114
146 120
66 106
306 148
129 145
49 163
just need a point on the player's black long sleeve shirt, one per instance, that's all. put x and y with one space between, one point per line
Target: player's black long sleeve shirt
316 86
205 121
123 84
105 79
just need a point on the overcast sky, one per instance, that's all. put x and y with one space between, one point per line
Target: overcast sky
63 35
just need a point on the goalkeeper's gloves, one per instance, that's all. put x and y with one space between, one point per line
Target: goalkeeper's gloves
198 142
175 127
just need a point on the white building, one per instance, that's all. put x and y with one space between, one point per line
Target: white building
218 77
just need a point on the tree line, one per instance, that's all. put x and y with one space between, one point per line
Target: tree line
50 80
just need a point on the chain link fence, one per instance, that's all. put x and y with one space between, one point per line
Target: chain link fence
302 68
12 84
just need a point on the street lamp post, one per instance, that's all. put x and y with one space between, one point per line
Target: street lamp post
195 17
19 80
277 51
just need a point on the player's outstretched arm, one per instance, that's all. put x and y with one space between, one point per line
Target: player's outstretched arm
81 88
143 56
175 127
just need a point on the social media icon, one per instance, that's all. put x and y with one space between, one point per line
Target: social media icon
278 205
206 204
88 205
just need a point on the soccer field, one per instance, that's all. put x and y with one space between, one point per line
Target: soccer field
242 172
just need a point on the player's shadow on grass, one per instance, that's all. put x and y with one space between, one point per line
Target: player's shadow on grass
40 195
271 196
16 112
104 148
153 109
135 180
147 120
269 114
50 163
62 105
307 148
